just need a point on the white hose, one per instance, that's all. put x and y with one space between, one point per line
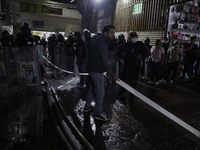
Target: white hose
147 101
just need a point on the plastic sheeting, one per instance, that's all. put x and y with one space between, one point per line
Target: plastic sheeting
29 76
64 57
20 71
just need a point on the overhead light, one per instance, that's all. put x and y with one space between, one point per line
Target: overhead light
71 1
125 1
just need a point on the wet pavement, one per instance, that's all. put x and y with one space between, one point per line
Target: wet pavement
25 122
134 124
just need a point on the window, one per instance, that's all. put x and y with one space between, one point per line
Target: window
137 8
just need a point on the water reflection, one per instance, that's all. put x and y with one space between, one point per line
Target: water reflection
95 138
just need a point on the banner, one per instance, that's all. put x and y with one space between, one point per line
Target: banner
40 9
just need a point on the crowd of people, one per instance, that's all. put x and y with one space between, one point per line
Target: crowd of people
91 54
130 54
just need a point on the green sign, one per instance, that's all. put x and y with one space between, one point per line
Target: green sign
137 8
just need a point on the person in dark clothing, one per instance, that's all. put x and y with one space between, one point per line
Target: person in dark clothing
121 50
60 40
51 45
165 44
44 44
190 58
148 46
37 39
6 39
87 39
96 35
97 65
70 53
112 55
25 39
59 51
121 46
132 59
81 57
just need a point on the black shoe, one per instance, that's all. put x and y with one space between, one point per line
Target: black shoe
102 118
89 110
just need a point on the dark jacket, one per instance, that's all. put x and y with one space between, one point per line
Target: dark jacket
131 54
95 62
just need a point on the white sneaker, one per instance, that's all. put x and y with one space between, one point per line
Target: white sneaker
157 83
150 82
171 81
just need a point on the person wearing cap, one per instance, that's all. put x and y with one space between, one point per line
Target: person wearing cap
190 58
173 59
97 65
157 56
136 50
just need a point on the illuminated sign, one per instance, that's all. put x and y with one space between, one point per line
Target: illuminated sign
137 8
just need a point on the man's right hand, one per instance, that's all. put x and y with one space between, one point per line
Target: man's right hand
115 79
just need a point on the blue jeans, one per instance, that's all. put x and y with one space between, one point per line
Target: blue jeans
82 69
96 87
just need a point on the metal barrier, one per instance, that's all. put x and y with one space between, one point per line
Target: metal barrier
29 76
